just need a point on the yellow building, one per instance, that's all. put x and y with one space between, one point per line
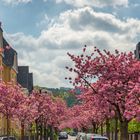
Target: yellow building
8 61
11 72
8 69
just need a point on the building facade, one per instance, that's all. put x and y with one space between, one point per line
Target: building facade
9 73
137 51
8 61
24 78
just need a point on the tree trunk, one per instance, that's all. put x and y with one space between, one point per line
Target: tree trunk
22 131
37 135
124 130
40 127
112 135
45 133
51 133
30 133
84 129
8 125
56 133
116 128
136 136
94 127
41 132
102 129
108 128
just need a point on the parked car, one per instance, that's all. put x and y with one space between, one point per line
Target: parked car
7 138
72 133
91 136
63 135
81 136
98 138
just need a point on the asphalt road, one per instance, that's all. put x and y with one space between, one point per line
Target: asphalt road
71 138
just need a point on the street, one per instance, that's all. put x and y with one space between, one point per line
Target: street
72 138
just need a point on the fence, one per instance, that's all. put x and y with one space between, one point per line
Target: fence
131 136
3 131
134 136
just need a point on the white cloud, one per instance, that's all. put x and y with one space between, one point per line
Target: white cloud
46 54
15 2
44 22
96 3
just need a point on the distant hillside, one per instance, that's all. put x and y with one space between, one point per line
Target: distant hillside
63 92
58 90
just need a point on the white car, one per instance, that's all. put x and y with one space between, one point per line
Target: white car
7 138
95 137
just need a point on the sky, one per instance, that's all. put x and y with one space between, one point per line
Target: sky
43 31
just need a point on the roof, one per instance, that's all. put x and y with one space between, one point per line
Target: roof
8 54
0 27
96 136
99 136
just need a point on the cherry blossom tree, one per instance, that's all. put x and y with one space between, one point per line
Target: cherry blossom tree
133 103
59 112
26 112
72 120
56 115
83 116
116 77
51 111
10 97
42 102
